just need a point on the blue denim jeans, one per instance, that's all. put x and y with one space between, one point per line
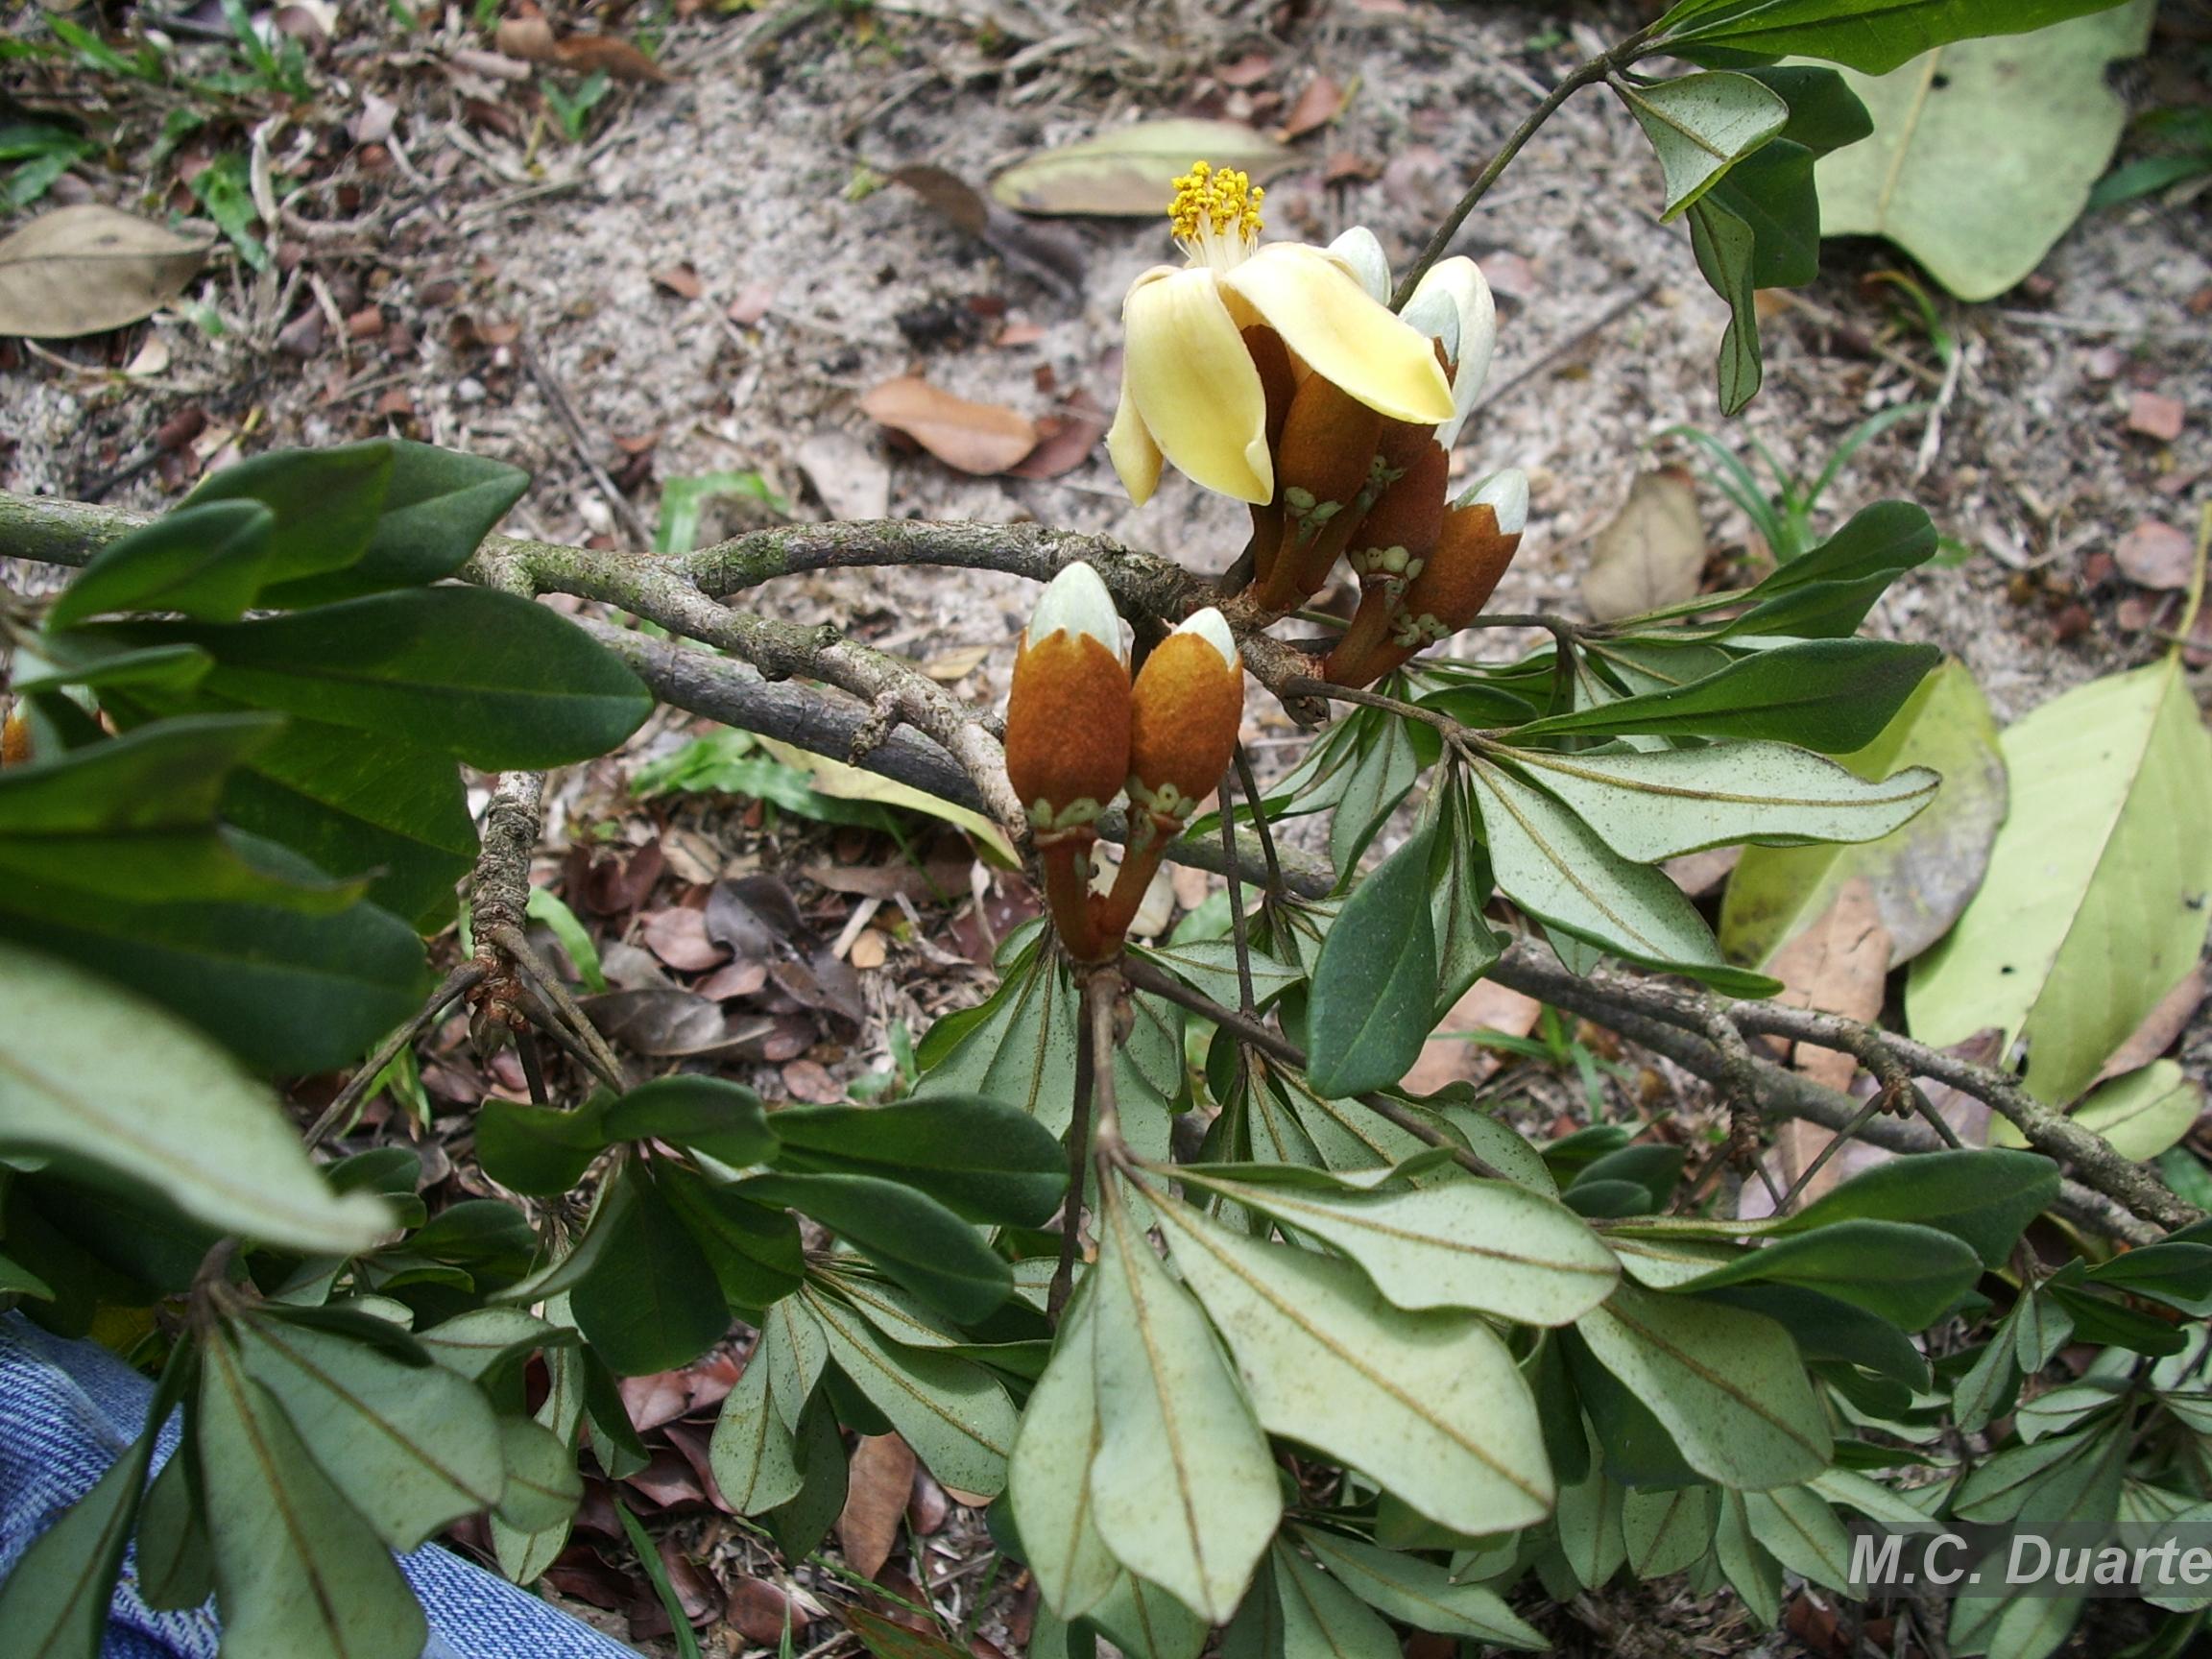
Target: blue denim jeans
68 1408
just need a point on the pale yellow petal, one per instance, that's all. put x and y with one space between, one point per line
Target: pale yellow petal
1326 317
1195 385
1130 447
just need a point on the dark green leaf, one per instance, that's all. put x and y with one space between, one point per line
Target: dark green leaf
1700 126
614 1442
1825 113
2107 1322
439 506
1376 981
1834 1331
907 1233
708 1115
296 1569
1826 592
800 1526
538 1151
981 1159
1772 193
204 562
1638 1451
1654 1167
1908 1275
176 1558
1607 1200
1832 695
2179 1275
1872 36
1726 249
488 677
389 811
1982 1196
650 1302
486 1234
324 502
134 819
755 1252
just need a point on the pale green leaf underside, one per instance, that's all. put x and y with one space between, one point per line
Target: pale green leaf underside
2094 904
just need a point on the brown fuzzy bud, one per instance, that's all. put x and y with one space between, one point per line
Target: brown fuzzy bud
1184 717
1067 719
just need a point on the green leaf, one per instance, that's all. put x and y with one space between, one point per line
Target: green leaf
1797 1526
471 1344
1772 193
756 1251
1183 1489
204 562
176 1559
1832 695
1700 126
2141 1114
1553 865
390 811
296 1569
2179 1275
324 503
1921 874
981 1159
1825 113
754 1453
649 1301
1146 1622
1321 1617
55 1600
1984 153
287 993
1826 592
1727 1384
1985 1197
439 504
1910 1276
1755 1575
1375 985
411 1447
708 1115
1667 1531
907 1233
1659 805
108 1084
1587 1527
1049 1477
800 1526
2095 900
1430 1406
1726 249
535 1150
1417 1591
1874 36
1488 1245
542 1485
953 1414
134 819
488 677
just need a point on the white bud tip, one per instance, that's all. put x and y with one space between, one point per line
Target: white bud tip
1076 602
1434 315
1506 494
1210 626
1359 249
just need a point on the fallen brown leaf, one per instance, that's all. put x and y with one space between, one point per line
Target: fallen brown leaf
869 950
2155 555
679 938
1838 964
752 303
1320 103
1449 1057
2154 415
1652 553
85 269
984 439
620 59
761 1612
875 1495
681 280
529 38
1066 437
810 1080
2160 1029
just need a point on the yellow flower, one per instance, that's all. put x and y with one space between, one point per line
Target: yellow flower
1190 392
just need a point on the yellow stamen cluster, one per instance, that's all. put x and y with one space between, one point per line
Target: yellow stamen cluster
1212 207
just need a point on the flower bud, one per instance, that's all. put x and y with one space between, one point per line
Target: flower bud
1184 712
1458 287
1067 718
1481 535
1359 249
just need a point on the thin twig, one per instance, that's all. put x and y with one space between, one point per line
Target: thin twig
1260 828
450 990
557 395
1577 78
1247 1004
1078 1162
